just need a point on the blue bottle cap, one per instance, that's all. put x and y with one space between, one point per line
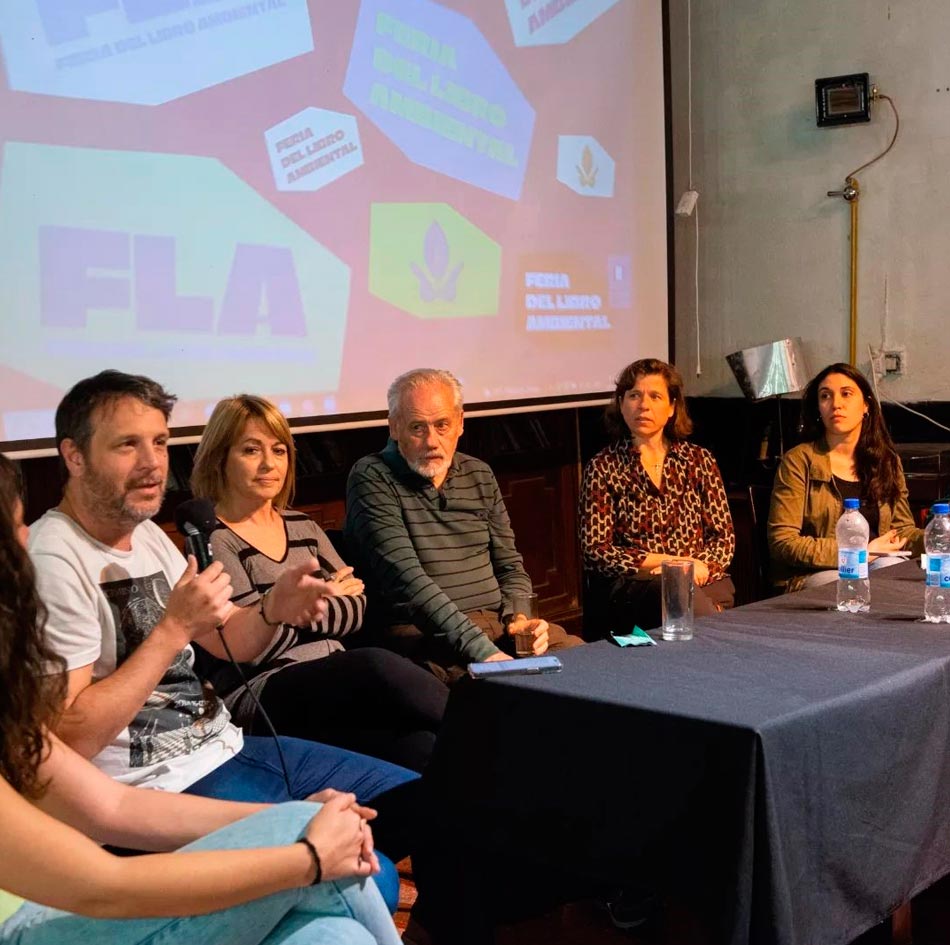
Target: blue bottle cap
850 504
941 508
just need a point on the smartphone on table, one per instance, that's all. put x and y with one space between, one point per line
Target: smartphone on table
528 666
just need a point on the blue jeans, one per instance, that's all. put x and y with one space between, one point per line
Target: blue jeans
255 775
346 912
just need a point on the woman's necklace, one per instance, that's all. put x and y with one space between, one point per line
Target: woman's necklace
655 466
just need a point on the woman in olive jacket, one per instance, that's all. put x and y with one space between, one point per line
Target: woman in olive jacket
849 454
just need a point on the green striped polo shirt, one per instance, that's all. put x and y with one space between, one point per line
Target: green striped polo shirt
429 555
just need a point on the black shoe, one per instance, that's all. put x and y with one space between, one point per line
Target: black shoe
416 934
632 907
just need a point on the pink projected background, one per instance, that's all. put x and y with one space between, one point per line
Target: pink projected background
304 199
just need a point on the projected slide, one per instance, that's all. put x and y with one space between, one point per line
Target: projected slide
304 198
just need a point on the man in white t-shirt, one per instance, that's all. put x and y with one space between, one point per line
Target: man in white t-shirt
123 608
103 604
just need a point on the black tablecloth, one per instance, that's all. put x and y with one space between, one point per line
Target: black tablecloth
787 769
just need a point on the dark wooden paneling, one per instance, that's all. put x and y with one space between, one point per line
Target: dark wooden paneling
534 457
541 506
744 567
328 515
44 485
537 458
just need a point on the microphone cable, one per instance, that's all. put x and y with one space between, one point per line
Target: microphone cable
260 709
195 519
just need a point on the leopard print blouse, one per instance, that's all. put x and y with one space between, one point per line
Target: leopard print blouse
624 516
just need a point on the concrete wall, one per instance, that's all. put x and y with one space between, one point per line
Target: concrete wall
773 249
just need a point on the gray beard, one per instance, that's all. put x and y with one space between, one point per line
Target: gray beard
429 470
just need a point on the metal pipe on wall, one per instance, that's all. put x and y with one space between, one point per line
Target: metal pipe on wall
853 339
852 193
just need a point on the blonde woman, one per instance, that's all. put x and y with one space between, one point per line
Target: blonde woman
366 699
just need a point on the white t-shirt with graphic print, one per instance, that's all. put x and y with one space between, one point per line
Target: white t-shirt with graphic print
101 604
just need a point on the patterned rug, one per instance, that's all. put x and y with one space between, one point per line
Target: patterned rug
407 894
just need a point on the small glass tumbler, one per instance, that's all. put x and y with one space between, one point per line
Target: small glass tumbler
678 588
524 608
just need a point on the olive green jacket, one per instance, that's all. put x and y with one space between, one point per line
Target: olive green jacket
805 509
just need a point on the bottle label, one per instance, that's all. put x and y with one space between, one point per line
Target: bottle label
852 564
938 571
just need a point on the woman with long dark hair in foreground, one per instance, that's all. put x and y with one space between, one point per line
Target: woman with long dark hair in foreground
258 875
848 453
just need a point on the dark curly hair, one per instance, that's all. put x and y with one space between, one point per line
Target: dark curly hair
678 427
875 459
32 678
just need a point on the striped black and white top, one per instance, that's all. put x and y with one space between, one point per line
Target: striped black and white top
252 573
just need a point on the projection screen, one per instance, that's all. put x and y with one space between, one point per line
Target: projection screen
304 198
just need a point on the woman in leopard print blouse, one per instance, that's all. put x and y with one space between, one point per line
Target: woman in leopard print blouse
651 496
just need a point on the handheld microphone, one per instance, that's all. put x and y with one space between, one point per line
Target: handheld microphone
195 519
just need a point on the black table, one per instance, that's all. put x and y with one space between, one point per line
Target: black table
786 770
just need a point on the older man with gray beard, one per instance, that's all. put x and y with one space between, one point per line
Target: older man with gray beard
430 534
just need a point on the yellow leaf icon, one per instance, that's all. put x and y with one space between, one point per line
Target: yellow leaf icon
586 171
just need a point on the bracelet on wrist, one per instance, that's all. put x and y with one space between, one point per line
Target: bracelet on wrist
317 865
264 596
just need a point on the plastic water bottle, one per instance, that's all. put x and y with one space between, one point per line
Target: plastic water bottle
852 532
937 546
